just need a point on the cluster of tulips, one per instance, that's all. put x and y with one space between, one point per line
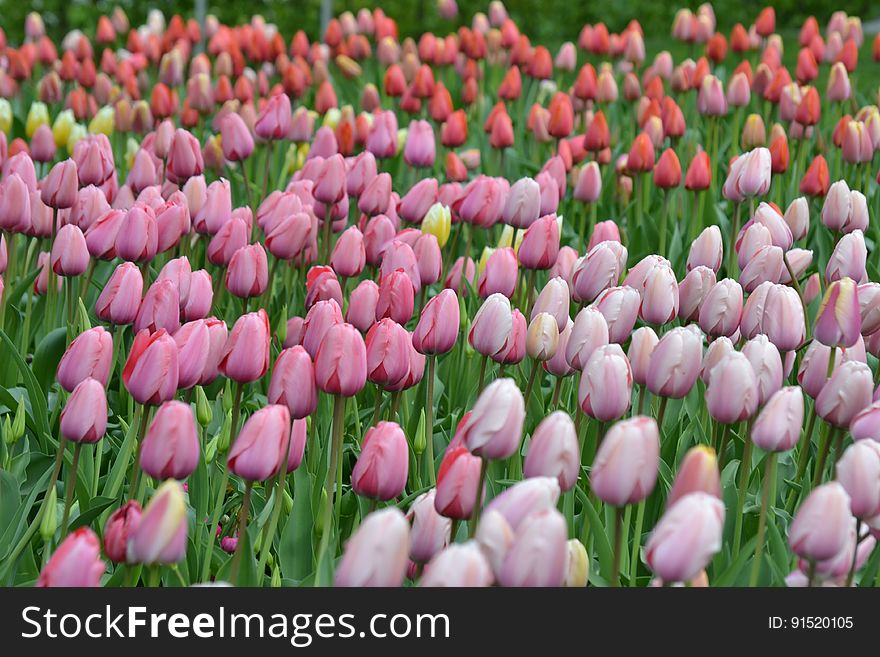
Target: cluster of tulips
280 334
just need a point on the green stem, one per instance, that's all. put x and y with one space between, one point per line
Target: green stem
335 453
215 522
618 546
71 486
637 543
242 529
478 503
769 475
745 467
429 420
269 532
482 374
824 448
803 459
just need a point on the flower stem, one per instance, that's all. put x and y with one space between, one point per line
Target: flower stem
335 453
745 466
769 475
429 420
71 485
618 546
478 503
242 528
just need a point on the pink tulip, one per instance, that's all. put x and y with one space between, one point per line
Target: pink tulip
361 311
200 297
491 325
193 341
151 371
438 325
523 204
462 565
216 210
538 554
457 481
170 449
376 195
706 250
387 345
70 256
858 471
84 418
60 186
341 361
420 149
721 310
606 384
138 236
514 348
399 255
848 258
686 538
293 382
184 159
229 238
248 272
589 332
588 187
318 321
119 528
778 426
697 472
693 290
499 274
553 299
674 364
89 356
554 451
732 394
494 429
396 297
383 465
377 552
430 531
160 308
246 352
598 270
625 468
540 244
839 319
258 452
776 311
160 536
237 142
847 392
76 562
94 160
820 526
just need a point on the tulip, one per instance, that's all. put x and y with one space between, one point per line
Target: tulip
847 392
376 554
341 361
90 355
499 274
522 207
820 526
387 345
767 364
84 418
458 480
598 270
383 465
686 538
259 450
674 364
693 290
776 311
246 352
858 471
70 255
458 566
731 394
361 311
293 382
160 536
170 449
838 321
491 325
430 531
184 159
76 563
707 250
200 297
697 473
848 258
625 468
495 426
620 307
778 426
348 257
160 308
514 349
437 328
606 384
540 244
542 338
537 555
660 295
275 120
237 142
120 526
554 451
59 190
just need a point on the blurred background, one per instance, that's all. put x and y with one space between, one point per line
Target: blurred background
550 21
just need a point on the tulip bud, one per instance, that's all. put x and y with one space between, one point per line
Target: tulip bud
674 364
258 451
838 322
820 526
686 538
383 465
542 337
170 449
731 394
554 451
76 563
626 464
847 392
84 418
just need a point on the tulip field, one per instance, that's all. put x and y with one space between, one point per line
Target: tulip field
440 309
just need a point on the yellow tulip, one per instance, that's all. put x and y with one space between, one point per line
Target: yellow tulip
401 139
5 116
64 122
77 131
484 258
103 122
578 564
438 222
37 115
131 149
331 118
506 237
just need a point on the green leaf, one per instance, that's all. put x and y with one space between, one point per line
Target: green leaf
48 355
247 569
117 472
10 498
729 576
36 394
97 506
600 540
295 548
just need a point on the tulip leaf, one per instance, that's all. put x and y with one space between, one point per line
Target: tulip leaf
36 394
47 356
600 540
295 548
729 576
97 505
10 498
120 465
